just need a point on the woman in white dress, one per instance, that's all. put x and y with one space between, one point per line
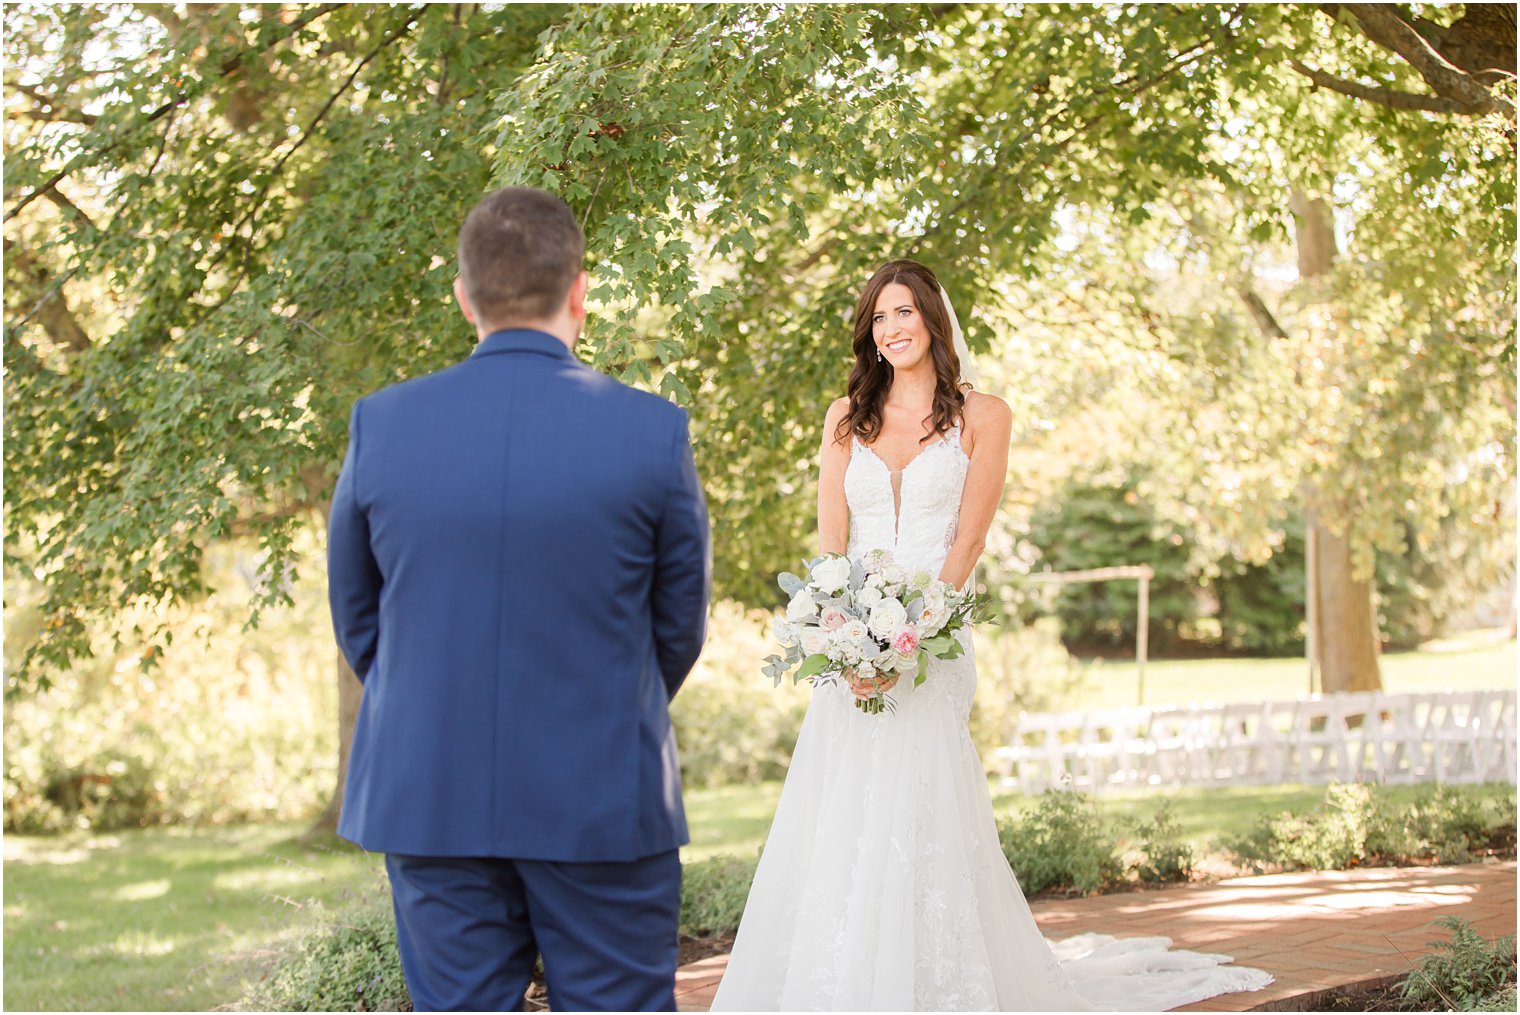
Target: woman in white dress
882 886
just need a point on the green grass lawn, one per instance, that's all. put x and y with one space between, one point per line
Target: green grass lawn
735 819
159 919
169 918
166 919
1480 661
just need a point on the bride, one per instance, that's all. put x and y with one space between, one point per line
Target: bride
882 885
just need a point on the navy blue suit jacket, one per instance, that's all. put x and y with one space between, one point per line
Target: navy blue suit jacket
519 571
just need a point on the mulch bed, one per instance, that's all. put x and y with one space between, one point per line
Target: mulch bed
692 949
1389 997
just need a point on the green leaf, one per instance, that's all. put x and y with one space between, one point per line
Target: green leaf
813 665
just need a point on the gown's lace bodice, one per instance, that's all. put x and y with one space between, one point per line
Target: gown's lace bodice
913 513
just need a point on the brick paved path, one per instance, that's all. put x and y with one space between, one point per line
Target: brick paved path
1314 931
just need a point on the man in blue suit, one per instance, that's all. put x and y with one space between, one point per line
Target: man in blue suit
519 569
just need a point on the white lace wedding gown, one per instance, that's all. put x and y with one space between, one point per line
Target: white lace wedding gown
882 886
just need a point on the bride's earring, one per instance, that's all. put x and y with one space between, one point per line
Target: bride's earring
878 355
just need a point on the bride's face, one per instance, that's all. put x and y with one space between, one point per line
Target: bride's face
898 328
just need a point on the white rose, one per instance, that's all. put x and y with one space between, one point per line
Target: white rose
892 574
785 633
930 621
831 575
802 606
814 641
934 597
887 616
868 596
854 630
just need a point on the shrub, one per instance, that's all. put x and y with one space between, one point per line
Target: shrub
1443 823
347 961
1331 837
1060 843
1165 854
1356 824
225 726
1465 973
713 894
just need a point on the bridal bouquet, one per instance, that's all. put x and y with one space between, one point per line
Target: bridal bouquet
871 620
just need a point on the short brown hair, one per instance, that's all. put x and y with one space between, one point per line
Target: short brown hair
519 251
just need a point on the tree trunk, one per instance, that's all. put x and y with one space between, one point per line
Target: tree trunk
1347 625
349 692
1345 638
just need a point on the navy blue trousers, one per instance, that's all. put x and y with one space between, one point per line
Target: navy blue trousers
470 928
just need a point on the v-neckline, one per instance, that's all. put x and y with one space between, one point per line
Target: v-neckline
941 439
897 477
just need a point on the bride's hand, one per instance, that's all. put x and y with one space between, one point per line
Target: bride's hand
869 687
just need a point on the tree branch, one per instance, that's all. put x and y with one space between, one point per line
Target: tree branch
1383 24
51 308
230 66
1259 310
1382 96
274 172
50 108
1129 85
69 207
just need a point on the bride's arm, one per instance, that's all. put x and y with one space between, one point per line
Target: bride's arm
833 458
990 423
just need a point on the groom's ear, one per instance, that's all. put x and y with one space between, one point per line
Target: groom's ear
464 304
576 303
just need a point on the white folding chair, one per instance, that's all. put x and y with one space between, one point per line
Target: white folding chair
1452 733
1317 747
1110 750
1238 752
1274 739
1034 759
1375 740
1359 718
1500 738
1170 741
1207 761
1409 757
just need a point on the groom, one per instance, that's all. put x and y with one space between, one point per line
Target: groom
519 567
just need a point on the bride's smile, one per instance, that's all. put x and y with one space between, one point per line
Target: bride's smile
898 328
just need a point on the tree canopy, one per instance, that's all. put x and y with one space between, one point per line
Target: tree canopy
226 222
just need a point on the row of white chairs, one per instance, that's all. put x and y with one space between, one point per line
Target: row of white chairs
1444 737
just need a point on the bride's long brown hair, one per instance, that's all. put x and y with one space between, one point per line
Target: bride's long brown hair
871 378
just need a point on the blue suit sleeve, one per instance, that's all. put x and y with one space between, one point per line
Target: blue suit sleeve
683 569
353 575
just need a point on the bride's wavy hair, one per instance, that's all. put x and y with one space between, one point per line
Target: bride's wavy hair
871 378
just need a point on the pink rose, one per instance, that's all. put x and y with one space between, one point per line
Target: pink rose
905 641
833 619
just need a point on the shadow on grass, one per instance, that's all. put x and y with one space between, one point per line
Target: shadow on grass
161 918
